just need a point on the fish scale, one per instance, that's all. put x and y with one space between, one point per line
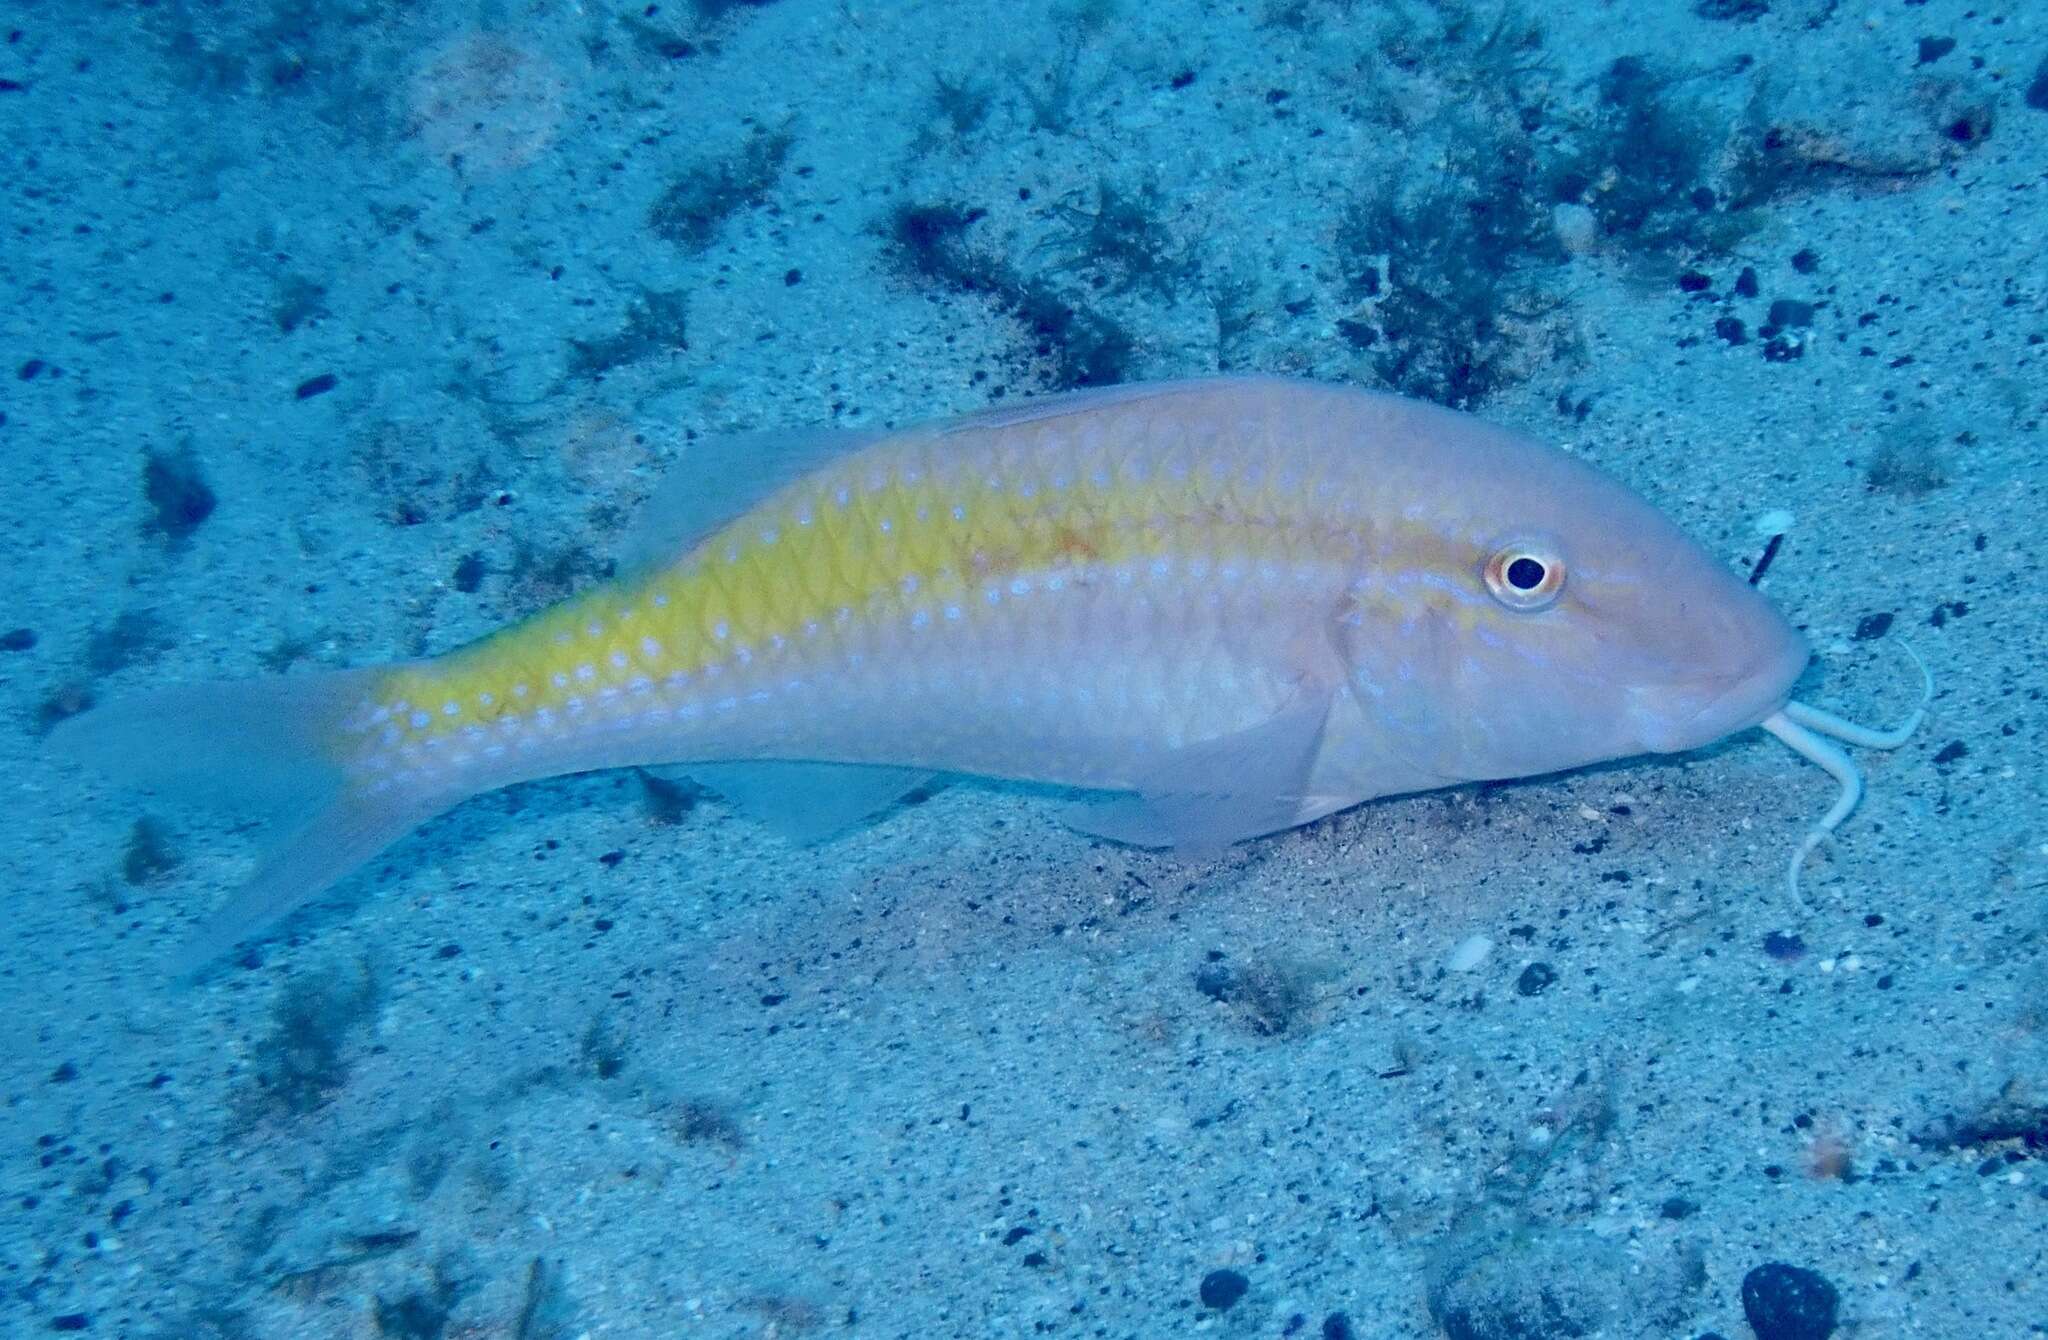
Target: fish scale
1238 604
879 545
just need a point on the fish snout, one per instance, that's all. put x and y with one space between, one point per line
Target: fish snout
1715 700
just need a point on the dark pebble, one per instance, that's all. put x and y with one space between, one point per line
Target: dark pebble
1678 1207
1535 979
1337 1326
1791 312
1952 751
1746 283
179 497
1222 1288
469 573
2037 91
64 1073
1973 127
1784 947
19 639
1692 281
71 1321
791 278
1731 329
1732 11
1788 1303
1783 349
1872 626
319 385
1933 49
30 370
1806 260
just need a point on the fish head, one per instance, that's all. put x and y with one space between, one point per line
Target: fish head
1525 613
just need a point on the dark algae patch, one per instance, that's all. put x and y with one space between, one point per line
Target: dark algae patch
177 492
698 200
1070 346
302 1060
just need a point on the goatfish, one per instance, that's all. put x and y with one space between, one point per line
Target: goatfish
1232 605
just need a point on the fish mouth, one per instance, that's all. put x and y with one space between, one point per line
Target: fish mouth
1726 703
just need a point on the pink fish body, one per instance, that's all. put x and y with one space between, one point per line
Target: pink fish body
1240 604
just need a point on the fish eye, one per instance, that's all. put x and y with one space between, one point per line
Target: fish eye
1525 576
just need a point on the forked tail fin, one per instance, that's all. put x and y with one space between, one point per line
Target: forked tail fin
267 748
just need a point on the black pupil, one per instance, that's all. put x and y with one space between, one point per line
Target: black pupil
1525 574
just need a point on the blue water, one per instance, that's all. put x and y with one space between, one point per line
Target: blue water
343 334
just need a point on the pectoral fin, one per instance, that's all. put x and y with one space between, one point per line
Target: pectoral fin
1207 795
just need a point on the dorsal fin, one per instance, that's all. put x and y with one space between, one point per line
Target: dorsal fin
719 478
1063 403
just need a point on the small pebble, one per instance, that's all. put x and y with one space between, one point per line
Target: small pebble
1771 523
1222 1288
1788 1303
1469 953
1578 231
1535 979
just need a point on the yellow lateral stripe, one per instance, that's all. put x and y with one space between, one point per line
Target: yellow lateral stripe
808 555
